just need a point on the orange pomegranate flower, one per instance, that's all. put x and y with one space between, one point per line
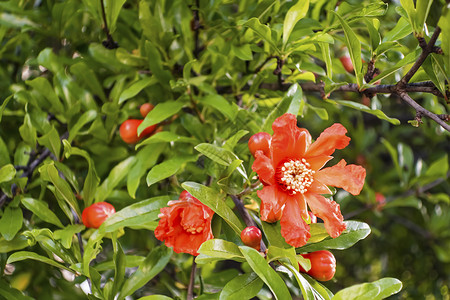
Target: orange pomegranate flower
185 224
294 178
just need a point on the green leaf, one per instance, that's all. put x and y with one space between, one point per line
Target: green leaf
86 76
273 233
307 290
375 38
28 132
7 173
22 255
136 87
165 137
400 30
266 273
168 168
11 222
11 293
43 87
3 106
62 187
159 113
145 159
119 263
155 297
376 290
245 286
444 24
92 180
290 103
156 64
17 243
297 12
66 234
51 141
221 104
213 200
243 52
135 214
220 250
152 265
85 118
112 10
358 106
422 10
354 49
262 30
117 174
42 211
326 55
355 231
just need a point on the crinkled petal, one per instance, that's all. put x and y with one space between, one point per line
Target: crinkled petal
318 188
329 211
264 168
272 202
293 228
329 140
349 177
288 141
316 163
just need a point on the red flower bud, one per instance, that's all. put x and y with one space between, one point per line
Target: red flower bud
260 141
323 265
251 236
93 216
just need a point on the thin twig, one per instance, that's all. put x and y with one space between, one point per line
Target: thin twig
196 26
425 52
405 97
190 291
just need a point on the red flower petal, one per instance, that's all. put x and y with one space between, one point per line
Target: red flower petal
318 188
349 177
329 211
263 166
318 162
329 140
293 228
272 202
288 141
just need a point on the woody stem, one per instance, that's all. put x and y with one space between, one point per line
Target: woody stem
190 291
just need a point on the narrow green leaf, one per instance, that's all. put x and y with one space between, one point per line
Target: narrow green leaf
3 106
400 30
221 104
307 290
62 187
17 243
85 118
297 12
221 250
136 87
262 30
160 112
156 64
213 200
358 106
354 49
112 9
43 87
51 141
11 293
422 10
66 234
152 265
135 214
444 24
245 286
87 77
168 168
260 266
117 174
355 232
326 55
376 290
22 255
119 269
42 211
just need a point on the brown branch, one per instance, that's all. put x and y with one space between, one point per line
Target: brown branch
190 291
246 216
422 111
426 50
196 26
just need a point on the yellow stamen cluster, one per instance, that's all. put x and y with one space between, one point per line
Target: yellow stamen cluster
296 176
193 230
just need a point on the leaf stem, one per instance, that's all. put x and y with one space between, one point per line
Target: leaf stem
190 291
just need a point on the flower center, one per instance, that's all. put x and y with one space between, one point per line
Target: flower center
191 229
295 176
